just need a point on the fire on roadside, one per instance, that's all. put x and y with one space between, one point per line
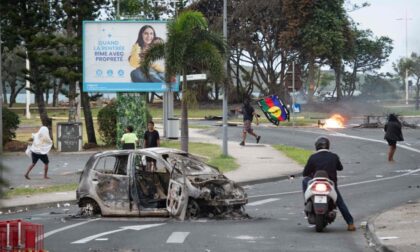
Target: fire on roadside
336 121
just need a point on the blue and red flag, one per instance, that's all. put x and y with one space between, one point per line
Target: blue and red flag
274 109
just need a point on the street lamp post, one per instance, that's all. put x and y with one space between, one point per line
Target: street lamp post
293 95
406 54
225 95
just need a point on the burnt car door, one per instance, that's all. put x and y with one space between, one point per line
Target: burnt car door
150 179
111 184
177 199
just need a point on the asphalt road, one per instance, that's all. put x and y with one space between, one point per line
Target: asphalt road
63 169
368 183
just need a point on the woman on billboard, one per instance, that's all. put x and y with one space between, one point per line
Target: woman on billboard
146 37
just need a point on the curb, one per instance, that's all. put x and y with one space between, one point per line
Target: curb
24 208
267 180
372 237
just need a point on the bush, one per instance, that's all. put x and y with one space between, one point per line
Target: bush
10 124
107 120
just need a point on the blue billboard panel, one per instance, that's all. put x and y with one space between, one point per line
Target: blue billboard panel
113 52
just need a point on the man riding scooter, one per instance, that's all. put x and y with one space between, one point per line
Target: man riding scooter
329 162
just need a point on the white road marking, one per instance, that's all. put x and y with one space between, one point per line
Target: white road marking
373 140
389 237
261 202
177 237
338 134
248 237
101 239
137 228
345 185
68 227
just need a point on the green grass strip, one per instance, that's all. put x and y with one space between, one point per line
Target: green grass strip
21 191
299 155
212 152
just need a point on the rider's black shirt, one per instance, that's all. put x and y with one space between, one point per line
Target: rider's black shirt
323 160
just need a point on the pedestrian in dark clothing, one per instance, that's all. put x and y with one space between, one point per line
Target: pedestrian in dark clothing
151 139
151 136
327 161
248 114
393 133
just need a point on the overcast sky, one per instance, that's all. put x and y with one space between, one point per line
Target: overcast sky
381 17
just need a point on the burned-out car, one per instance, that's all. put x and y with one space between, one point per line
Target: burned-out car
155 182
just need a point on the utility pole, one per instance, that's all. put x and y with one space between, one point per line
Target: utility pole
225 93
406 53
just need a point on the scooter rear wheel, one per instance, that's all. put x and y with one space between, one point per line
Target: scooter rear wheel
320 222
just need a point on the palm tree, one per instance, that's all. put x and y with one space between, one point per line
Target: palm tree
190 45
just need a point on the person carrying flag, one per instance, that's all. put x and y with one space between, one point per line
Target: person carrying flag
248 114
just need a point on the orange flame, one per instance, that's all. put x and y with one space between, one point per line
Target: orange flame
335 121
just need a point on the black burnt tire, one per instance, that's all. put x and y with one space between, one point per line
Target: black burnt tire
319 222
89 208
193 209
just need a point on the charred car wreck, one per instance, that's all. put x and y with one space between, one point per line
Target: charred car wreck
156 182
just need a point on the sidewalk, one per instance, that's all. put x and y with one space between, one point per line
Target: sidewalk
397 229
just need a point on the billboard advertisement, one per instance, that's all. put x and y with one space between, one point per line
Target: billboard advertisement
112 54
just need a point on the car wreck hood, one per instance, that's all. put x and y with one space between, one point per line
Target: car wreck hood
191 166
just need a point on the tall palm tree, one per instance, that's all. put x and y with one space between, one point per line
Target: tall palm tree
190 45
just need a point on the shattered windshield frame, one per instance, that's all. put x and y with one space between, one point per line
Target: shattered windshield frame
190 165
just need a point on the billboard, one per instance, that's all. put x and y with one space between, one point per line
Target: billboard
113 51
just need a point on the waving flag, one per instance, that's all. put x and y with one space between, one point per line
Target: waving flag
274 109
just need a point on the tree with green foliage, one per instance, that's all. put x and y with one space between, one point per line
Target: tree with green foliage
190 45
367 55
401 68
254 28
12 72
413 67
51 32
74 13
326 35
149 9
32 24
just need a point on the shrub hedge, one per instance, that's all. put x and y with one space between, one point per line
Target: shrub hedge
10 124
107 120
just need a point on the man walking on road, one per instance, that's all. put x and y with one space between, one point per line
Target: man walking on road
40 147
248 114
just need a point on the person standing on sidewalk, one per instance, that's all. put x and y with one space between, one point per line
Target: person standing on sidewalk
40 147
329 162
248 114
129 140
393 133
151 139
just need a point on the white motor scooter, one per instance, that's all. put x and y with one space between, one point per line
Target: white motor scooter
320 198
